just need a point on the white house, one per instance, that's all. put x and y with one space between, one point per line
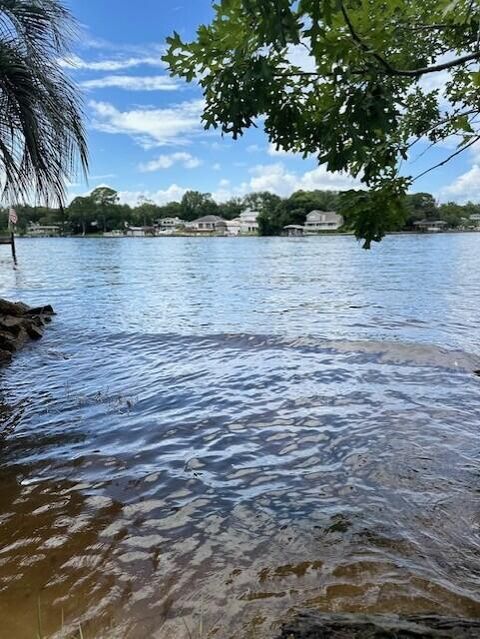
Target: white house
322 221
293 230
233 227
248 222
140 231
206 224
430 226
169 223
114 233
38 230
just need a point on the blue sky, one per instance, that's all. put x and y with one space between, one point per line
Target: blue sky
145 134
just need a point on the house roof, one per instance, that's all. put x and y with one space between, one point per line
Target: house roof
429 223
34 226
208 219
323 216
249 216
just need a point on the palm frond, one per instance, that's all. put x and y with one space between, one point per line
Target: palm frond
42 136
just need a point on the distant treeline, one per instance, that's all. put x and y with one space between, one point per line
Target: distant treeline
101 211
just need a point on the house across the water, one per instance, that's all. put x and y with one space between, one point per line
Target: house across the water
45 230
293 230
233 227
169 223
140 231
248 222
207 224
475 219
430 226
114 234
322 221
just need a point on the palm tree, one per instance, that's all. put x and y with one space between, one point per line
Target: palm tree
42 137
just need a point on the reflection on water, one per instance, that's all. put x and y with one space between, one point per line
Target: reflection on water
167 477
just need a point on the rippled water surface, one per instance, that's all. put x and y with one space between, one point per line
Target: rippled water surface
216 432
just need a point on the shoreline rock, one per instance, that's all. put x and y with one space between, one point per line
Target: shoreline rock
20 323
315 625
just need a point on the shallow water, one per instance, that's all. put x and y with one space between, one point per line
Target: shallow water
215 432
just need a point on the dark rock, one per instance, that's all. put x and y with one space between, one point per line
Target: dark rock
313 625
34 331
15 309
5 357
7 342
40 310
18 323
12 325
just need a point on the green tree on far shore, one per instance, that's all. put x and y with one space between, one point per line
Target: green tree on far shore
195 204
104 200
84 214
81 214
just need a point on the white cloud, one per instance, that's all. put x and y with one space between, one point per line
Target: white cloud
133 83
253 148
225 191
435 81
277 179
75 62
187 160
299 56
102 177
274 152
216 167
173 193
150 127
465 187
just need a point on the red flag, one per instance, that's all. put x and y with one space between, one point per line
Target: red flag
12 216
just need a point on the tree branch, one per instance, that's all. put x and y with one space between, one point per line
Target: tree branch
450 157
410 73
452 116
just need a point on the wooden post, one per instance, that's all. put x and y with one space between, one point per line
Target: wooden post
14 252
11 228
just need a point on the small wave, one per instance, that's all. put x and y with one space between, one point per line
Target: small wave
386 352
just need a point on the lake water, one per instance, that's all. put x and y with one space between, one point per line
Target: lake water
214 433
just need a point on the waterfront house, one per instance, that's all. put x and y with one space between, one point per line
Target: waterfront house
475 220
114 233
140 231
39 230
322 221
248 222
233 227
169 223
293 230
221 227
430 226
207 224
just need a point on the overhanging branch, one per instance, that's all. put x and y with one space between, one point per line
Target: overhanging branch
450 157
409 73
